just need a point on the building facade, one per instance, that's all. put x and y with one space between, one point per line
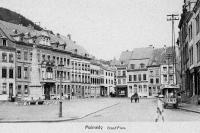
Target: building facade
121 81
39 64
7 67
189 37
95 79
107 80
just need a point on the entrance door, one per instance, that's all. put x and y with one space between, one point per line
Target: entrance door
47 91
10 90
150 91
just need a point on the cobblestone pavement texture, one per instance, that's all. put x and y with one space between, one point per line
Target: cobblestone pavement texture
73 109
144 111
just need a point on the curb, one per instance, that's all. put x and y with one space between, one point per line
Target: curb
56 120
189 110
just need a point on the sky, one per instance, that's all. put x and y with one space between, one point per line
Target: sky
104 28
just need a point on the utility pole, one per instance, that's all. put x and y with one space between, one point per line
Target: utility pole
172 18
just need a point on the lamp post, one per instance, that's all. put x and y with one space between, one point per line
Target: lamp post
60 66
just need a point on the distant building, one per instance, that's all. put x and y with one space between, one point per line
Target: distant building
137 72
107 74
95 68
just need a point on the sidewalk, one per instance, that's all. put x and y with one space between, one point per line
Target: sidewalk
190 107
72 110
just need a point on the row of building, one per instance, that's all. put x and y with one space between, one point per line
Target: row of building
145 71
189 49
40 64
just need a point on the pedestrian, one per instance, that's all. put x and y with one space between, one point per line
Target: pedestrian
132 97
160 109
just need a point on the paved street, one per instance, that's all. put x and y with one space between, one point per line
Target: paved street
72 109
145 111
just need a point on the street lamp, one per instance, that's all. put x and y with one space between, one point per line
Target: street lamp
60 66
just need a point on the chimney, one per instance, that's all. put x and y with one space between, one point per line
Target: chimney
69 36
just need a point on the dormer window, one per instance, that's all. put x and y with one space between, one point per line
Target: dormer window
142 65
75 50
15 31
4 42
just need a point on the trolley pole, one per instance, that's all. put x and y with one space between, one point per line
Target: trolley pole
172 18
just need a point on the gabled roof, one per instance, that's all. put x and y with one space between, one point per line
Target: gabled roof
142 53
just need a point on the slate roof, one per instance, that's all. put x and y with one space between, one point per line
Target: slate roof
142 53
11 30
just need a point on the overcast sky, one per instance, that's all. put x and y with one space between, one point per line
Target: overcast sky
104 28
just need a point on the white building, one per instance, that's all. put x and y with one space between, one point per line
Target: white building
107 80
137 72
95 79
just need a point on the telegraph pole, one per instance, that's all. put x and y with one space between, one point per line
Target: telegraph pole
172 18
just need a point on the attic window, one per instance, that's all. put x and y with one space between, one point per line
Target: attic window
142 65
75 50
15 31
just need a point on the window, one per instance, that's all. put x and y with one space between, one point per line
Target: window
4 72
191 55
145 88
130 78
119 73
65 61
31 56
124 81
18 54
38 56
4 57
142 65
198 51
26 89
139 77
151 81
68 62
132 66
4 42
124 73
140 88
197 24
4 90
151 73
165 78
190 32
170 77
19 89
119 81
144 77
11 73
25 72
48 57
135 77
164 68
19 72
43 57
11 58
157 80
25 55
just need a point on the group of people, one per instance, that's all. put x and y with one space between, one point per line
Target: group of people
135 96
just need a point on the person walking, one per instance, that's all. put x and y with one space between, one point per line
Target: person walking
160 109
